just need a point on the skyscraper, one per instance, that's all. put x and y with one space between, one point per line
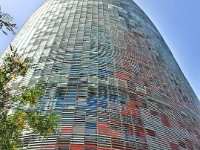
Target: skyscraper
110 76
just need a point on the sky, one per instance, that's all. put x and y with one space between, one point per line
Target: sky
177 21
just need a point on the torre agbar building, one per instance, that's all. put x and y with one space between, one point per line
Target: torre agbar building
110 76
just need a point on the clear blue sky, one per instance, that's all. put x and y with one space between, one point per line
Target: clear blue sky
177 20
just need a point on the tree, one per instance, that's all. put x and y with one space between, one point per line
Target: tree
18 109
6 22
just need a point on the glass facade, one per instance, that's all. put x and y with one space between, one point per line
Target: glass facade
109 74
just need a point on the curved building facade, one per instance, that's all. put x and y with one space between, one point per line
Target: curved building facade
111 77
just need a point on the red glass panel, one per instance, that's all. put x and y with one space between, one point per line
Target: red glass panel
173 146
66 130
76 147
164 120
150 132
139 131
122 76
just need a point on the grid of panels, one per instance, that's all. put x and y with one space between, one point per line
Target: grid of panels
110 76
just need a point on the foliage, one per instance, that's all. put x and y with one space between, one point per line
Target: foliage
18 110
6 22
